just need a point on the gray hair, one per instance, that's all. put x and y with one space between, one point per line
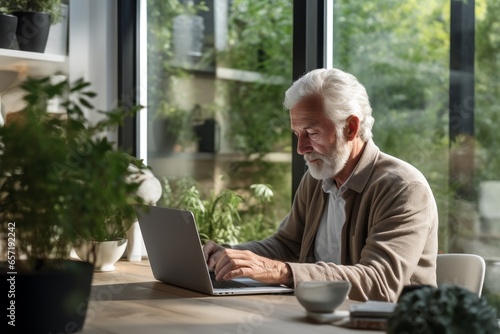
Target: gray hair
343 95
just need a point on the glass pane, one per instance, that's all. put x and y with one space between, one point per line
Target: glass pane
401 52
487 135
217 73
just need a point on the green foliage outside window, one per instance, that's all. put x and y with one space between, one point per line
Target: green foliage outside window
162 72
401 52
219 214
259 41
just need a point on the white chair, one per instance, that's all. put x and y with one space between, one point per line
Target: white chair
464 270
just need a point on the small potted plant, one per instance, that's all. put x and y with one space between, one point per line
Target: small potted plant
58 178
171 127
206 128
35 18
108 241
8 25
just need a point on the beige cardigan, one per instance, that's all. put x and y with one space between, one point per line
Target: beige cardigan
389 239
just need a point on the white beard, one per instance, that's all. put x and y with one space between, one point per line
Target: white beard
331 164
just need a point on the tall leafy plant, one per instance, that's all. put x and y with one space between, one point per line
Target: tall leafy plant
60 178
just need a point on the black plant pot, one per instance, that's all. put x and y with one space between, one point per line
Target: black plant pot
46 301
8 25
32 30
208 134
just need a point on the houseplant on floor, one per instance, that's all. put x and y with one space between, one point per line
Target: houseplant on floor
56 175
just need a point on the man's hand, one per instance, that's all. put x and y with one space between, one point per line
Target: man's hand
211 251
232 263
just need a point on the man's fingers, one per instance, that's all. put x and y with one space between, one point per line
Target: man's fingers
213 260
235 263
211 252
207 250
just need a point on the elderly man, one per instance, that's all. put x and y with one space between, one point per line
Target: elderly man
358 215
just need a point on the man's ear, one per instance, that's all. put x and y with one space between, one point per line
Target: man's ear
352 127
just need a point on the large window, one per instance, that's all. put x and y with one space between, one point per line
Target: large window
428 70
217 71
216 76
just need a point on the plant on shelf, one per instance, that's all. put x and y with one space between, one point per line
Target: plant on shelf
172 126
8 25
35 18
50 7
60 177
206 128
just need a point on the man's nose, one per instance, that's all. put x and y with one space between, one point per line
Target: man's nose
304 145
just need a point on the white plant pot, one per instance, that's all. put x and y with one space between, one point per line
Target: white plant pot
106 253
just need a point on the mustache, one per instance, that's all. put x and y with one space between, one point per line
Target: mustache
313 156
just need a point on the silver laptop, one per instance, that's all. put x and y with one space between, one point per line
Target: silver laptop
176 255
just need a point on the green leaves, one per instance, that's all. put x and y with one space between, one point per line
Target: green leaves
51 7
263 192
61 179
218 214
448 309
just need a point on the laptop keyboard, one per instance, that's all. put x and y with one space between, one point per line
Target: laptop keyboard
226 284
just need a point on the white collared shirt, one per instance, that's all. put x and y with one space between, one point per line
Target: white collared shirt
328 241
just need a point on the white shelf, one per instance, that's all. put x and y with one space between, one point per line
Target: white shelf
32 63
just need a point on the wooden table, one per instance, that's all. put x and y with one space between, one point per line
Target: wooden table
130 300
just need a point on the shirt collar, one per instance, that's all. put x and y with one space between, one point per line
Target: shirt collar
329 186
361 173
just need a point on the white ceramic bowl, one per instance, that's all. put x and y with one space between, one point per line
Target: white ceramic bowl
322 296
106 253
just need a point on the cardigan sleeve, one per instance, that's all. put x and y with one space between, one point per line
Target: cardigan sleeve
296 232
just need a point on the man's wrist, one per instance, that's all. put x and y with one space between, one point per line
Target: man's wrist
286 275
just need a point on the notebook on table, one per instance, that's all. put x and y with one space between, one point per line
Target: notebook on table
176 255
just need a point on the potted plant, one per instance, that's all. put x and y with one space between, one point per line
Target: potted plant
108 241
171 126
56 176
8 25
206 128
34 20
446 309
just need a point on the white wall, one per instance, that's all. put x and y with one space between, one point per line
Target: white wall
93 50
